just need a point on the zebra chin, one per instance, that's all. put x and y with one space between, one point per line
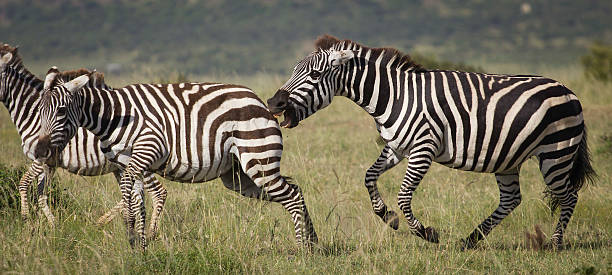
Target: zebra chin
290 118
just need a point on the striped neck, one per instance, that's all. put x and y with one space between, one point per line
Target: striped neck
376 79
21 92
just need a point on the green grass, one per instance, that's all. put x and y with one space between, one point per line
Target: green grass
206 228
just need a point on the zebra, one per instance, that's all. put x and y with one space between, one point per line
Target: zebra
186 132
20 91
478 122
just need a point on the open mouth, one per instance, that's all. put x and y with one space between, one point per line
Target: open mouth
289 120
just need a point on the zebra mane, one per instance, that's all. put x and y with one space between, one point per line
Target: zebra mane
16 63
404 61
95 81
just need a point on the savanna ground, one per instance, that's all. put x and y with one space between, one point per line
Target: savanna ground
206 228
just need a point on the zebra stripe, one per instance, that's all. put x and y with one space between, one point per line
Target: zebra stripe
186 132
468 121
21 93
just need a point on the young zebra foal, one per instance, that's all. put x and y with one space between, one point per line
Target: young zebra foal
20 92
187 132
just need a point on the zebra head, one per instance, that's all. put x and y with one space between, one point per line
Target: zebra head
58 115
8 55
313 84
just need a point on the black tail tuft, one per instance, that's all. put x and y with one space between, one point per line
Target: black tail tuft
581 173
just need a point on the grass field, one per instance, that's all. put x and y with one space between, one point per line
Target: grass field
206 228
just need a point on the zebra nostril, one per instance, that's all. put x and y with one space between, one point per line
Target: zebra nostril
42 148
41 152
279 101
281 105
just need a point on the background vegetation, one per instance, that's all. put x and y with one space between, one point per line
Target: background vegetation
206 228
252 36
598 62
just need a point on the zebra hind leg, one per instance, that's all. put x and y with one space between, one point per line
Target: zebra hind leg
237 181
557 177
509 199
290 197
387 160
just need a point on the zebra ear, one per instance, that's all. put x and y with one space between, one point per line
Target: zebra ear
51 74
76 84
6 58
337 58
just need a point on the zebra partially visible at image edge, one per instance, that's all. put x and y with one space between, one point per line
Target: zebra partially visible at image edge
186 132
21 91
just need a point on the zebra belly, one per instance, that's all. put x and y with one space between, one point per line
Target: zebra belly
179 168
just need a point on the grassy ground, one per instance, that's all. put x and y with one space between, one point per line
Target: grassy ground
206 228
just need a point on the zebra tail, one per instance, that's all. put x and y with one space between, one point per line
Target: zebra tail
582 173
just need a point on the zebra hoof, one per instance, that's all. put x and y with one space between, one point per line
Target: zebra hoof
309 240
432 235
313 239
429 234
132 239
151 234
392 219
151 237
464 245
555 244
467 244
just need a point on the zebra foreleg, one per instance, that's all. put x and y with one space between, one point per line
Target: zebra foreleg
509 199
138 210
418 163
387 160
33 172
128 197
42 196
158 194
119 206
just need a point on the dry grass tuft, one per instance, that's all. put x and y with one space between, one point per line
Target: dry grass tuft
536 240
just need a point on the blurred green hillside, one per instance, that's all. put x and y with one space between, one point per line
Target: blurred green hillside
244 37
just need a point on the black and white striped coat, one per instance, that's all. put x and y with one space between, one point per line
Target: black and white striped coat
20 91
468 121
187 132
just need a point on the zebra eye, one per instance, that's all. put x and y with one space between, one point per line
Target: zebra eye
61 111
315 74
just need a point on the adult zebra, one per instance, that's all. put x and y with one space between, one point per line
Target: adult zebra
468 121
20 91
187 132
